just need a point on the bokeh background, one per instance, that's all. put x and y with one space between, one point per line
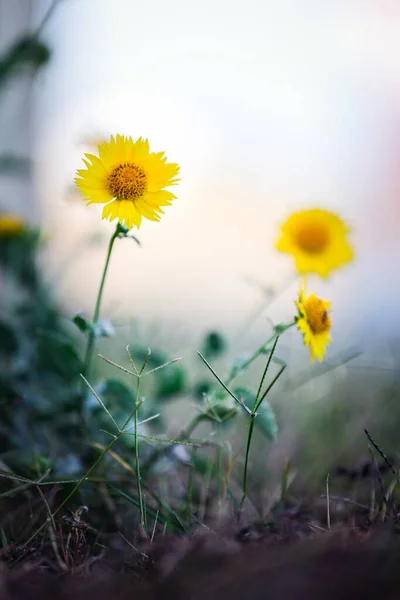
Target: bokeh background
268 106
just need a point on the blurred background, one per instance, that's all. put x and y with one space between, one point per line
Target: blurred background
268 106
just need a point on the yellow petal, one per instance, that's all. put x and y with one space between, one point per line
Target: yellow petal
94 180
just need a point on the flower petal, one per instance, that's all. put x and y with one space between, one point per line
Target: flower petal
94 180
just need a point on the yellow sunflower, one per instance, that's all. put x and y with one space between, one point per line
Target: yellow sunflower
10 225
317 239
128 179
314 322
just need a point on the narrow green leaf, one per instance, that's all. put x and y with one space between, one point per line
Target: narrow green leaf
174 525
223 384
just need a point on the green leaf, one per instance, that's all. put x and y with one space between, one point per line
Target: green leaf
200 388
116 394
246 395
266 421
220 413
25 51
8 340
171 381
58 355
214 345
82 322
100 329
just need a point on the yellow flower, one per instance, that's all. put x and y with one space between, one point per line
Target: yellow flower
317 239
10 225
128 179
315 323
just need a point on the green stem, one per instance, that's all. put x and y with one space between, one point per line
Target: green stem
257 404
159 452
246 460
190 488
92 333
88 472
265 373
219 471
137 462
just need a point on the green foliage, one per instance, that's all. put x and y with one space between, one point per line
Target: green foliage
9 341
17 258
100 329
73 434
265 419
169 382
13 165
214 345
83 323
220 413
58 355
26 52
172 382
52 423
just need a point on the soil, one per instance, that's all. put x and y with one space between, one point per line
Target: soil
297 556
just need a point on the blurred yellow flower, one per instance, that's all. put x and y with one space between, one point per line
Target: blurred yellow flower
314 322
10 225
128 179
317 239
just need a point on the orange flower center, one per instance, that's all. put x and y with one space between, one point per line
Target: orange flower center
127 181
312 238
316 314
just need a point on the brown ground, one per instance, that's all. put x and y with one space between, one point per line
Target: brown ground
254 563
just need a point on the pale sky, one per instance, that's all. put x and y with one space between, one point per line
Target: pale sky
268 105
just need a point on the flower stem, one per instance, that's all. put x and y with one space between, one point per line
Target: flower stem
92 333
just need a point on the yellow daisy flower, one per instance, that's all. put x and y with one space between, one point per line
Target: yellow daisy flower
10 225
314 322
317 239
128 179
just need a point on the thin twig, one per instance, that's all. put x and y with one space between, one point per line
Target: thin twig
46 18
345 500
379 478
328 508
382 454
